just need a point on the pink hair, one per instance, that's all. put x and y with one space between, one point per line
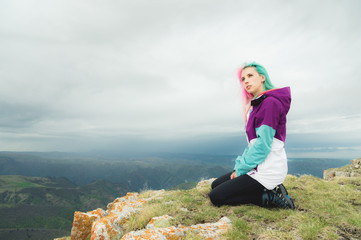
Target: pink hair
246 97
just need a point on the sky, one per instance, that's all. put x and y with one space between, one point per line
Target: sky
161 75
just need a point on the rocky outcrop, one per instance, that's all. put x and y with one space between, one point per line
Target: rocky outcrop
353 170
103 225
82 223
158 229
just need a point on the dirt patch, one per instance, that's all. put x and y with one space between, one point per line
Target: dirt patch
349 232
355 203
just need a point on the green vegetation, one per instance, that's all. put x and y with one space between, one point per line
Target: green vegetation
184 186
324 210
16 183
136 172
43 208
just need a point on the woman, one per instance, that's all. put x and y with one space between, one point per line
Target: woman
260 171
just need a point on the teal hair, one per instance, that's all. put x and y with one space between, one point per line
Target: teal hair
267 85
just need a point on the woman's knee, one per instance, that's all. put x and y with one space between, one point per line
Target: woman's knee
215 198
214 184
221 180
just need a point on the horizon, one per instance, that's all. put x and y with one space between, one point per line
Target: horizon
48 164
112 154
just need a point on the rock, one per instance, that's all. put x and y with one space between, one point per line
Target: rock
173 233
356 161
119 211
83 222
352 170
342 174
207 230
205 182
213 230
327 175
355 174
159 222
101 225
184 209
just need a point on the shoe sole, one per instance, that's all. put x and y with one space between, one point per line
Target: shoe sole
284 195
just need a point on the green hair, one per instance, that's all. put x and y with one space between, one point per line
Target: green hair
267 85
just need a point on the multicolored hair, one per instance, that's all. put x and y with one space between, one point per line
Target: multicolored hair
267 85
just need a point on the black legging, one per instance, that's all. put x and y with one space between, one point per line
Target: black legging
240 190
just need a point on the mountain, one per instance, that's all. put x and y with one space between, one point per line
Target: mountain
41 208
139 171
325 209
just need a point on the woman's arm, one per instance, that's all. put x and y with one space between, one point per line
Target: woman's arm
265 122
258 152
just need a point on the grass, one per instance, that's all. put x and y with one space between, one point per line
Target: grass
324 210
16 183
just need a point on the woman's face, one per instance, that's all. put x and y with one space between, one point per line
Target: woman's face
252 81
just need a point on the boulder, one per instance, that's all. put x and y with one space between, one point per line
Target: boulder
120 210
82 223
159 222
206 230
101 225
356 161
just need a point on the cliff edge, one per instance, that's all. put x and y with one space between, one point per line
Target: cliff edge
325 209
352 170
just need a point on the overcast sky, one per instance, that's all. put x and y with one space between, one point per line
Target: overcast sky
161 75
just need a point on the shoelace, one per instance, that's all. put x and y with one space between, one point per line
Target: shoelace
278 199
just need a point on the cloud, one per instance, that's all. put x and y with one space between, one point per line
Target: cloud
91 74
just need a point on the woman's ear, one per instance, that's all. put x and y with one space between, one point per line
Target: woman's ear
263 78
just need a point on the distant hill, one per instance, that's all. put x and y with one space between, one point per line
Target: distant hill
140 171
41 208
137 173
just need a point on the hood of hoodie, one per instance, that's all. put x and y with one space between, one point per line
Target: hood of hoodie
282 94
259 117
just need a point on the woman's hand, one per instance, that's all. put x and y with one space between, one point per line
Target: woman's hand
233 175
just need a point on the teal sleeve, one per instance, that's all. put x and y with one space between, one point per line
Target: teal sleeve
255 155
239 159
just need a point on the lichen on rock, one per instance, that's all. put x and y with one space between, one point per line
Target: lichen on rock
102 225
206 230
82 223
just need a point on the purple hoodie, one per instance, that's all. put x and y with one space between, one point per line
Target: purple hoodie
270 109
264 159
